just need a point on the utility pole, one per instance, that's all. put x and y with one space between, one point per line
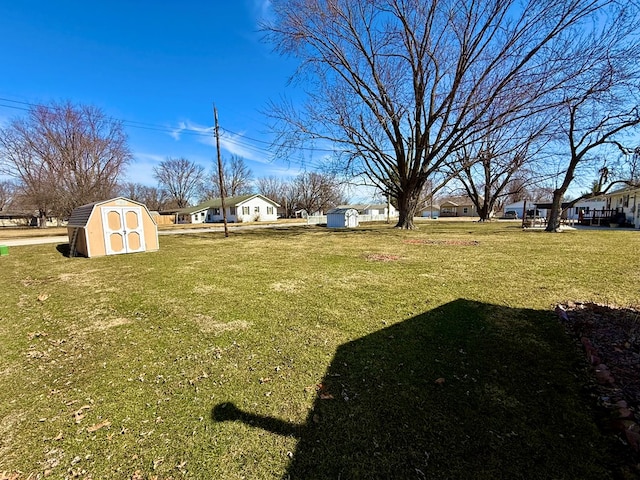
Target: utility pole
221 180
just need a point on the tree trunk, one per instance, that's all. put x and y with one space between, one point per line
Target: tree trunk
407 206
42 219
483 213
553 220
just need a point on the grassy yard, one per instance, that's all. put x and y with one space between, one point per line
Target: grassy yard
308 354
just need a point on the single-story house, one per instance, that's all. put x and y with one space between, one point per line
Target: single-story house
377 211
432 211
537 209
246 208
10 218
517 207
585 208
625 201
27 219
458 207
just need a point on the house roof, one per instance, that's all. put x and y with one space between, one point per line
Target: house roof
15 214
457 202
340 210
356 206
228 202
548 205
80 215
625 189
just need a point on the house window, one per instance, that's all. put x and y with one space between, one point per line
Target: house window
269 210
216 211
245 210
256 209
465 210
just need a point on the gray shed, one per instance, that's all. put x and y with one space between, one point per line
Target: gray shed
342 218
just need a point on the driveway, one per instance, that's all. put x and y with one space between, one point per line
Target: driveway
15 242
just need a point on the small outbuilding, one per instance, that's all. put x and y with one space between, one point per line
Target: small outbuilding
342 218
111 227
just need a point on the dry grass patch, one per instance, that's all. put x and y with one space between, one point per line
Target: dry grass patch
208 324
457 243
382 257
288 286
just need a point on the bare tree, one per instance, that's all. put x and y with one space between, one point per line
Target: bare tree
64 155
487 164
7 193
317 191
153 197
280 191
238 179
397 85
601 107
180 178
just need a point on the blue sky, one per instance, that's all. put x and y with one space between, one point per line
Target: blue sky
159 66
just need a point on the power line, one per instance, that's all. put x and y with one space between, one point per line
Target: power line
234 138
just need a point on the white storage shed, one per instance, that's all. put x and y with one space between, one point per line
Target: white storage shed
342 218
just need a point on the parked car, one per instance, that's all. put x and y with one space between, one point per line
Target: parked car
510 215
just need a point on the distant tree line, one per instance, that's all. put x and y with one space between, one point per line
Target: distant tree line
183 182
62 155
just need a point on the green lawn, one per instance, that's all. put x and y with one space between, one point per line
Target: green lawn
308 354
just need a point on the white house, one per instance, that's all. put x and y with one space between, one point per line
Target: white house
585 207
537 209
377 211
625 201
246 208
517 207
432 211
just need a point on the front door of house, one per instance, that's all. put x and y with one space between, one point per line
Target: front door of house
123 232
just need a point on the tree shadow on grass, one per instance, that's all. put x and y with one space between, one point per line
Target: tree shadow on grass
465 391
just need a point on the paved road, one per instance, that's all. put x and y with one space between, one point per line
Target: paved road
14 242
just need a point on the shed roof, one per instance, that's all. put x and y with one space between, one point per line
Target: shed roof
80 215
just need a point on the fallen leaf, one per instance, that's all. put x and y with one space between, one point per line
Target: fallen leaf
98 426
78 415
440 381
326 396
59 436
42 297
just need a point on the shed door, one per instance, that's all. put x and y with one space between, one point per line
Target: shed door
352 218
123 232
